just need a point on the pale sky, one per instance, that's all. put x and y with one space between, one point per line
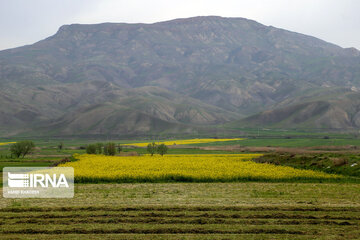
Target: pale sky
24 22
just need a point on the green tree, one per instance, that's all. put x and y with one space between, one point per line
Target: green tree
60 146
22 148
120 148
99 147
91 149
162 149
110 149
151 148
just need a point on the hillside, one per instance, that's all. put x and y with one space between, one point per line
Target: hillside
327 112
199 71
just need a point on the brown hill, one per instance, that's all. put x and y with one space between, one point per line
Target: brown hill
201 70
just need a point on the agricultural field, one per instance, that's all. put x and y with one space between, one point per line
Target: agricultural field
251 210
187 141
5 143
231 189
185 168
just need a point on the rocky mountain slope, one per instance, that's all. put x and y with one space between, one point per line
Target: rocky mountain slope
330 113
197 71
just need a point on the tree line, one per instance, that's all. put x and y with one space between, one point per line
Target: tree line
22 148
110 149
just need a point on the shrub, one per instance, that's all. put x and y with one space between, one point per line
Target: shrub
99 147
151 148
62 161
91 149
110 149
339 161
119 147
22 148
60 146
162 149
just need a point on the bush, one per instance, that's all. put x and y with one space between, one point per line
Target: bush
91 149
99 147
162 149
60 146
151 148
22 148
110 149
119 147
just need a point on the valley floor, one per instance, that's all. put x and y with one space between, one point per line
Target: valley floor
233 210
189 211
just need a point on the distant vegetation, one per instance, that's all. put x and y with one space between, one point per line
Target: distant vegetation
60 146
151 148
99 148
91 149
346 164
162 149
186 141
156 148
109 149
22 148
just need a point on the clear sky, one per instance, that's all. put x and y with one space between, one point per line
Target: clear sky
27 21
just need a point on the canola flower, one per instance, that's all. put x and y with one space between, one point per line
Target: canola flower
6 143
186 142
196 168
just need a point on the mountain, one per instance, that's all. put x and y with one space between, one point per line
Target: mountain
137 111
196 72
341 112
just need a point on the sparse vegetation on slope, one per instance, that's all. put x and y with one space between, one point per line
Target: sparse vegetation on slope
163 77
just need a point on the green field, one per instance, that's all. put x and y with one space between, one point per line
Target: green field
284 142
287 139
236 210
189 211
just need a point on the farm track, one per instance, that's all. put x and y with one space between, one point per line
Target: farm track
205 222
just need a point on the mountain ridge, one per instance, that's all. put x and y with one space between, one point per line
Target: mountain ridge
221 69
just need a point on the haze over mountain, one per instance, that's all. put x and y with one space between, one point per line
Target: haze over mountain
176 76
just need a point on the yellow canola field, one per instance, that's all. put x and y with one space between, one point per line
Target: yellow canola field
185 142
6 143
201 167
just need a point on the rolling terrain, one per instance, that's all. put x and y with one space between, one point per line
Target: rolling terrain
337 112
178 76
